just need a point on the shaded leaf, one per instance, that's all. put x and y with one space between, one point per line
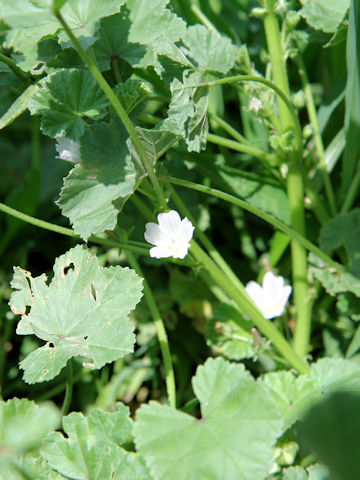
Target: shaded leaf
91 448
106 173
230 334
82 312
18 107
65 99
232 440
131 93
114 41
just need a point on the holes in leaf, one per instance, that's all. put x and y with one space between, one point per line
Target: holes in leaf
51 345
27 310
86 337
68 268
93 291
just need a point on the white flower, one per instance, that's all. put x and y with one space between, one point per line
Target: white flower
272 297
68 149
171 236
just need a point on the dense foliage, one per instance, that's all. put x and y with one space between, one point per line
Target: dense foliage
226 131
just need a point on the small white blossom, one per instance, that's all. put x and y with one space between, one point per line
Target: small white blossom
271 297
68 149
171 236
255 104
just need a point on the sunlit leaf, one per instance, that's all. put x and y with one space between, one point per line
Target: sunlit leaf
91 448
233 439
65 99
324 14
82 312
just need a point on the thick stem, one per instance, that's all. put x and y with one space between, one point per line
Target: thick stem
242 300
16 70
161 333
119 110
311 110
69 388
352 192
295 187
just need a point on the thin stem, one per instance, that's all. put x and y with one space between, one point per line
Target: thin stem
352 192
295 188
161 332
229 129
69 233
293 234
311 110
246 305
119 110
203 18
268 158
69 388
35 142
15 69
214 254
255 78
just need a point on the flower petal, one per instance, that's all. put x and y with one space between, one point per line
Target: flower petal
256 293
152 233
169 222
187 229
160 252
272 284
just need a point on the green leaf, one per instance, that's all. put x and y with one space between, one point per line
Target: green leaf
230 334
33 467
65 99
352 99
18 107
83 16
152 23
106 173
132 93
331 430
324 14
187 111
23 424
314 472
233 438
343 231
82 312
333 281
91 448
209 50
113 41
295 396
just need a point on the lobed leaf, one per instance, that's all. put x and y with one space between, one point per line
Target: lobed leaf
65 99
233 439
324 14
82 312
18 107
91 448
106 173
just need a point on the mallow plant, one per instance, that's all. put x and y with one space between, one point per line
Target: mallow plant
200 319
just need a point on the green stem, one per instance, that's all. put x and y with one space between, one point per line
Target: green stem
119 110
16 70
69 233
203 18
310 106
268 158
286 103
242 300
161 333
352 192
214 254
229 129
35 142
295 188
69 388
293 234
